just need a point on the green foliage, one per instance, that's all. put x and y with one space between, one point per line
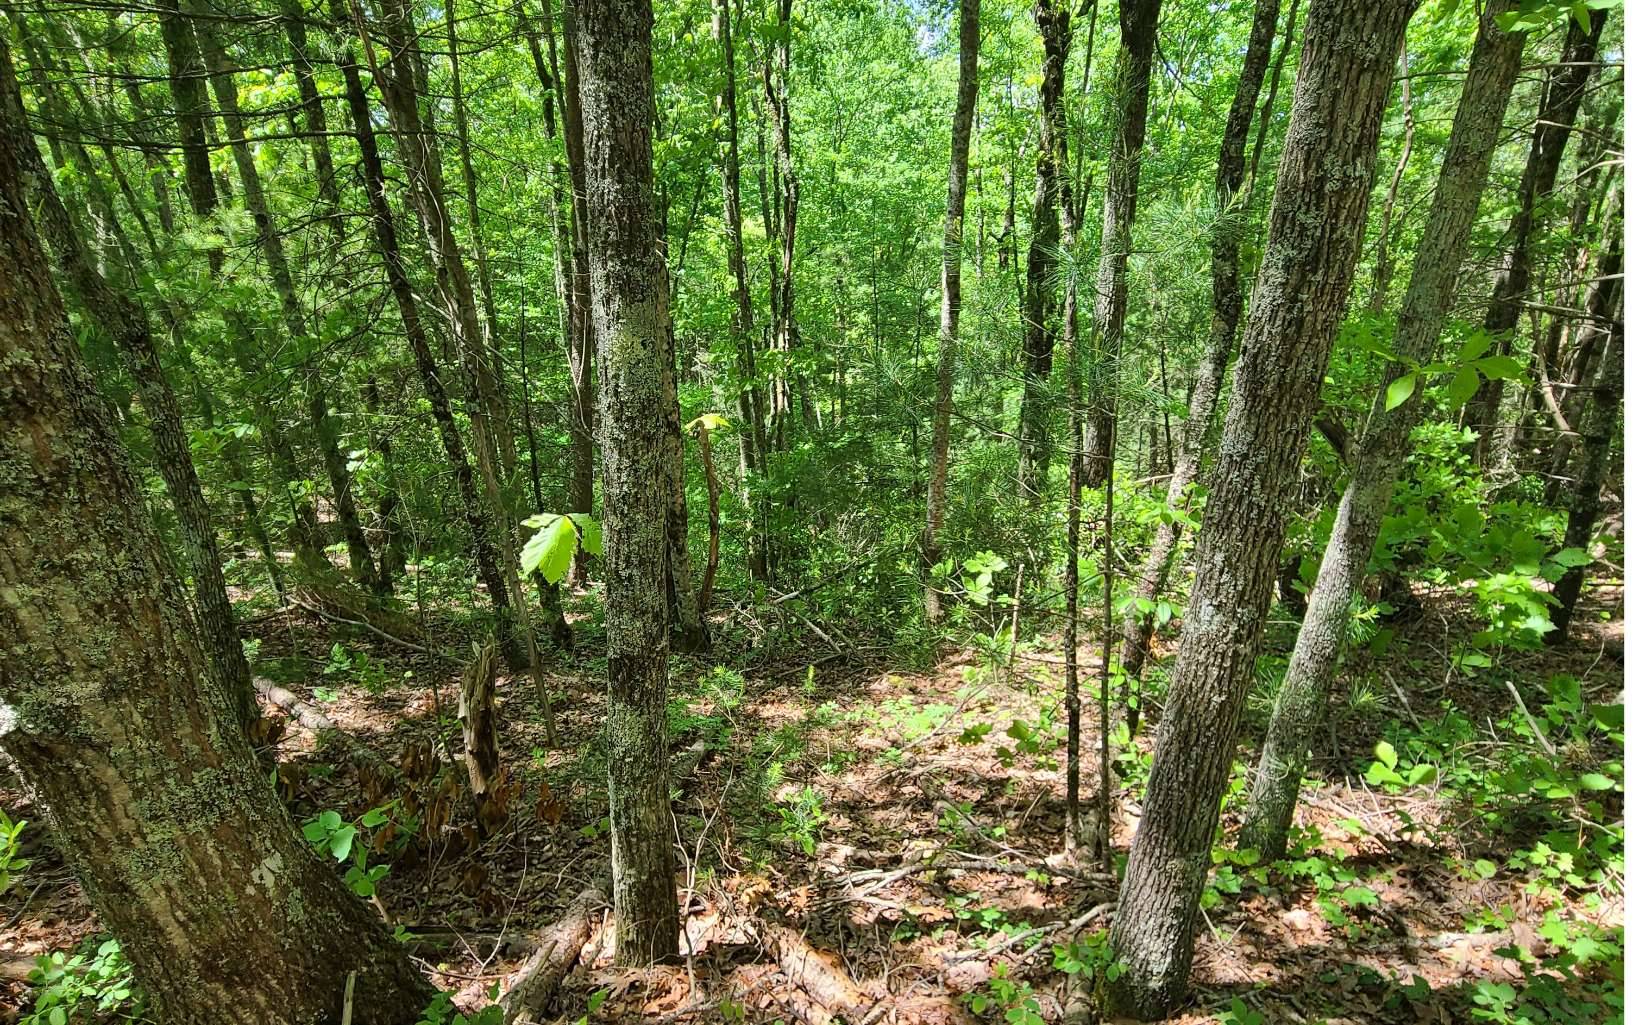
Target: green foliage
557 537
92 983
1013 1002
11 860
329 833
441 1011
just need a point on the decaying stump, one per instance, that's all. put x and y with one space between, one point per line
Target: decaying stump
485 775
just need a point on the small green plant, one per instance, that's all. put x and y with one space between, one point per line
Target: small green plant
330 833
360 667
1015 1001
1384 770
92 985
11 863
801 816
1239 1014
441 1011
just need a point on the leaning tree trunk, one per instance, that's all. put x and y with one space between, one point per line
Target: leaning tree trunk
317 397
128 326
1041 259
1382 452
1604 411
950 304
1128 114
1228 301
1556 116
630 316
124 741
398 280
1315 228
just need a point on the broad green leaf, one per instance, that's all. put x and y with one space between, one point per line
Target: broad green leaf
1399 390
1420 774
1500 367
1463 386
550 550
1477 345
1386 754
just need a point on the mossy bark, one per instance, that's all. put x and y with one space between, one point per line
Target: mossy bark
630 318
1382 452
1315 230
123 739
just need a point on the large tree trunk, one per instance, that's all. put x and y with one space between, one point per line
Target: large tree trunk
1128 115
1582 511
128 746
1315 229
753 442
1228 301
1041 259
127 325
950 303
630 315
1382 452
1556 116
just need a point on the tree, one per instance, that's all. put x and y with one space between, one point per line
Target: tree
950 283
1315 229
1381 453
1228 301
630 321
1041 259
1556 117
128 326
1129 113
132 748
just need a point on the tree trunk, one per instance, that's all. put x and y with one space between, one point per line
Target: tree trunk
753 442
950 304
1382 452
1128 113
1041 259
630 317
398 280
1556 116
127 325
1228 300
127 744
1582 511
1604 296
318 402
1315 229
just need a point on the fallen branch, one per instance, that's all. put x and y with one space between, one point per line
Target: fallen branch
323 728
537 981
819 975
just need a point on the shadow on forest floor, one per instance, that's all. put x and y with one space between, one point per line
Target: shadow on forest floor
908 823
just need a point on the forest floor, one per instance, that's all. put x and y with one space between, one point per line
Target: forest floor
907 824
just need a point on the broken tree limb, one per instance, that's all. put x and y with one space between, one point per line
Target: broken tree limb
557 952
820 975
323 728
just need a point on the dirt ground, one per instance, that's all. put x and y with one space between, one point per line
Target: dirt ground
870 809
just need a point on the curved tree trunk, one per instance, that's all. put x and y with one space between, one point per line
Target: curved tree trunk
1382 452
227 915
950 304
1315 229
1228 300
630 317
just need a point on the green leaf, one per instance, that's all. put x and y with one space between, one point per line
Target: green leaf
1386 754
1596 781
1500 367
1420 774
1477 345
1463 386
550 550
341 842
1399 390
1484 868
1569 557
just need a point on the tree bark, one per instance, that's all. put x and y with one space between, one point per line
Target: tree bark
630 316
127 744
127 324
1382 451
751 434
1582 511
1315 230
950 303
1041 259
1556 117
1128 114
1228 301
